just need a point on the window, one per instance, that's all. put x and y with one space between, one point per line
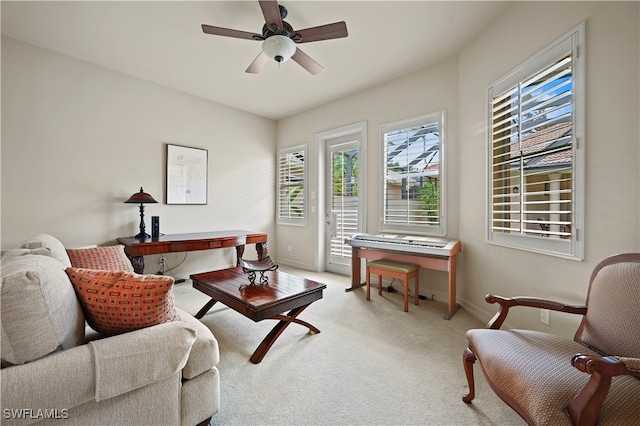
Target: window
291 186
413 175
536 160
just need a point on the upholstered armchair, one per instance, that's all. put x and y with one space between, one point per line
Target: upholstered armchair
550 380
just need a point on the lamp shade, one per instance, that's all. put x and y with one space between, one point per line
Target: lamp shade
140 198
279 48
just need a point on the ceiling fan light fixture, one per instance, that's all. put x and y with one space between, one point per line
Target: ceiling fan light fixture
279 48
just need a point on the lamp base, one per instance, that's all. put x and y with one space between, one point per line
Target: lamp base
142 236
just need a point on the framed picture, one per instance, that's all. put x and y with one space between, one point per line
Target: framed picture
186 175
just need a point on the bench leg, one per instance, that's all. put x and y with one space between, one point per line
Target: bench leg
368 285
406 293
417 292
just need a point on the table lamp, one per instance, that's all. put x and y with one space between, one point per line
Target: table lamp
141 198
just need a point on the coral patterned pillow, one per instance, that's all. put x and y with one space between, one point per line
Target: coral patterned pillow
108 258
116 302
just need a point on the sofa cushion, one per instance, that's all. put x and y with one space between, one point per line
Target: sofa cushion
116 302
109 258
40 312
51 243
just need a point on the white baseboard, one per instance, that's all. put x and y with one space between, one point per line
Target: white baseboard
294 264
479 314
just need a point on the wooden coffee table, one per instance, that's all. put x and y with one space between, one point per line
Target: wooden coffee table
283 293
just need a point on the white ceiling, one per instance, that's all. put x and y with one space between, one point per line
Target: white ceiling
162 42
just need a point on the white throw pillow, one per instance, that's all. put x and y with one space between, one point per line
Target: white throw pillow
40 311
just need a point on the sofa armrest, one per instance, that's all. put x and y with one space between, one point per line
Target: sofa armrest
98 370
584 408
532 302
205 353
132 360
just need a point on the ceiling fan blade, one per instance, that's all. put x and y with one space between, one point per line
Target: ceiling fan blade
271 12
227 32
306 62
258 63
323 32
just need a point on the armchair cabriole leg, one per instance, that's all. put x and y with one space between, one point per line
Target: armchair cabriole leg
468 359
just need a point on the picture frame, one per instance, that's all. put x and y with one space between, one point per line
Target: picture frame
187 175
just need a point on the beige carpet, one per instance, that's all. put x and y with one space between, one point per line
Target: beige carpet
371 364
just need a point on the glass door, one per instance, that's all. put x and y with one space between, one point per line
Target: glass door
343 201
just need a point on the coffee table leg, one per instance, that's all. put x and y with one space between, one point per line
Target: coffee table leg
205 308
285 320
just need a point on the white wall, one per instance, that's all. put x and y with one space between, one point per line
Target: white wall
413 95
460 87
78 140
612 152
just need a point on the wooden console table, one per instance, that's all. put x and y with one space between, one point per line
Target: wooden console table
137 248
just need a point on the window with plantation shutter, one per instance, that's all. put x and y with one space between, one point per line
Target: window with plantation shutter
413 175
536 152
291 186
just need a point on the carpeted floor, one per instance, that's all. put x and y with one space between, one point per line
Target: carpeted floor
371 364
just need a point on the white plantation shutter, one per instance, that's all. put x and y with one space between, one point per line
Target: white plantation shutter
345 201
412 178
535 170
291 186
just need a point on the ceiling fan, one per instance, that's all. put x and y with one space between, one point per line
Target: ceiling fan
279 38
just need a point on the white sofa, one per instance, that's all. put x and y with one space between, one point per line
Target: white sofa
55 370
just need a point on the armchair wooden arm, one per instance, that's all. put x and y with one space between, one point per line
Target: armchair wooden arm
584 408
532 302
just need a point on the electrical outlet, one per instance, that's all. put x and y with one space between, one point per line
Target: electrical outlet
544 316
289 249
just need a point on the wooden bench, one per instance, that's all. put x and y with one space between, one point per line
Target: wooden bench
398 270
